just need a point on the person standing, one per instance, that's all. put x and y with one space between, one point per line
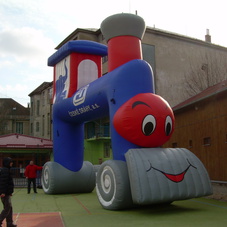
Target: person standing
21 171
6 191
31 175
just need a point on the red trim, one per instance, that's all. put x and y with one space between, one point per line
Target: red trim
26 141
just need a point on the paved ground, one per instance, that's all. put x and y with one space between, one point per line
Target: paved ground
38 219
220 191
84 210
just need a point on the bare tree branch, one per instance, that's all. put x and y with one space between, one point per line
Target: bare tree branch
201 76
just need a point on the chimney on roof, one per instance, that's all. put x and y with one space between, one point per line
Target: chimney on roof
208 37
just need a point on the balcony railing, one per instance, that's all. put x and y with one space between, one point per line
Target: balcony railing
20 180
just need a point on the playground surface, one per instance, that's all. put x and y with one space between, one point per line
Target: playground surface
70 210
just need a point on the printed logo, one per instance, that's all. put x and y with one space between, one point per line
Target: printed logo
80 95
62 80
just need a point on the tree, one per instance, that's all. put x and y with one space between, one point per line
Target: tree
201 76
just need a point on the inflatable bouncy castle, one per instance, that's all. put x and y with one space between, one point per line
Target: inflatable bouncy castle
141 172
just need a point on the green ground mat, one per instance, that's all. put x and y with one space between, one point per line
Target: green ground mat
84 210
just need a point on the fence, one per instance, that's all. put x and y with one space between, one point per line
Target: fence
20 180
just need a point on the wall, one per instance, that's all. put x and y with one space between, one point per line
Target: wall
41 111
94 151
177 57
202 128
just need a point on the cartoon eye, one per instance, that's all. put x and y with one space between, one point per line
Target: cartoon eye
168 125
149 124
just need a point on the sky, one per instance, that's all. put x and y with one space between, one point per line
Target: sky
31 29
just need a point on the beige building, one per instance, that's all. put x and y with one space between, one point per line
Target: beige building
40 114
182 66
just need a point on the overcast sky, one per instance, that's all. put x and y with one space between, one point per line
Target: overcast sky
31 29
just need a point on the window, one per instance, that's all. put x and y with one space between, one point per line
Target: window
106 129
4 126
190 143
43 125
32 107
149 54
87 72
207 141
50 94
107 150
90 130
37 127
31 128
48 124
43 98
19 127
37 107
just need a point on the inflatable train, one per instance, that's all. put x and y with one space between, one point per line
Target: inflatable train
141 172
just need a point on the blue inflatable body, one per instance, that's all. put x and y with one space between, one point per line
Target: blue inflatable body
100 98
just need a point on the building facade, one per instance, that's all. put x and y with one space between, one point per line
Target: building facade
23 148
41 111
182 66
14 118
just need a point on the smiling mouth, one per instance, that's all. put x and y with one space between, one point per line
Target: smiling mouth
173 177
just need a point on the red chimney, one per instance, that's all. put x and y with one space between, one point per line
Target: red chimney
123 33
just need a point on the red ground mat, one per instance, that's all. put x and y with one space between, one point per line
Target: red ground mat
37 220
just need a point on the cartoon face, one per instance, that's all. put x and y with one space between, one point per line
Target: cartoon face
145 120
173 177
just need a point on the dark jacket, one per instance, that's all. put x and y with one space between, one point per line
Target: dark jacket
6 180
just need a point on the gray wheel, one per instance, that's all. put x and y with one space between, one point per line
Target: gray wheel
47 178
56 179
112 185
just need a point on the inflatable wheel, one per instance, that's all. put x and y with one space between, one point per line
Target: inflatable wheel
47 178
112 185
57 179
